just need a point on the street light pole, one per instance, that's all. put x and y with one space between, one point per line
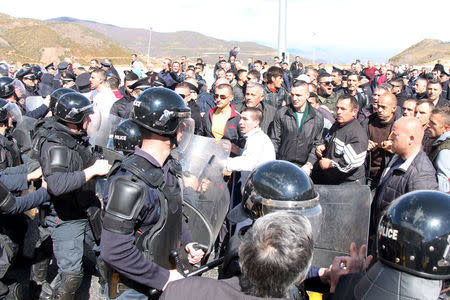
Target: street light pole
282 30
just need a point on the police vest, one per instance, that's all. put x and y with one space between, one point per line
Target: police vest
9 153
157 240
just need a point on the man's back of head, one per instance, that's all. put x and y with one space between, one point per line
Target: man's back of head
275 253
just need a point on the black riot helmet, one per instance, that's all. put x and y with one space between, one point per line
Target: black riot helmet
127 136
278 185
37 72
6 86
159 110
4 69
56 95
414 235
73 107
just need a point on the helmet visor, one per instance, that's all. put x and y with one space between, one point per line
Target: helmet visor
184 134
14 113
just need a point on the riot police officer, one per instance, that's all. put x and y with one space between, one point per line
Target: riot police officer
274 186
7 92
69 167
413 251
9 152
142 216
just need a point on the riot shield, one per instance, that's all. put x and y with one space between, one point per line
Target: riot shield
33 102
19 88
345 215
14 113
205 195
22 133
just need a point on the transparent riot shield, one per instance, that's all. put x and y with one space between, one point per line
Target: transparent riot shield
100 131
33 102
14 113
19 88
22 133
205 195
345 215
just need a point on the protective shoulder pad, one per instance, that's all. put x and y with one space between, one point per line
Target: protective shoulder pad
7 200
126 197
144 170
61 138
58 159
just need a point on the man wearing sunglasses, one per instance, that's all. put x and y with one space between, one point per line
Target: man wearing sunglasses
327 96
222 121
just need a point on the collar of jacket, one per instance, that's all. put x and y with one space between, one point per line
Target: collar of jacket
344 124
234 113
311 111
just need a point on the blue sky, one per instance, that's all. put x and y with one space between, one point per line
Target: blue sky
326 24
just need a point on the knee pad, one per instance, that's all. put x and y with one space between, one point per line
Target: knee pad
71 281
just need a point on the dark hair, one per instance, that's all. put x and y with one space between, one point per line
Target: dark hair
273 72
434 81
113 82
225 86
339 71
444 112
258 61
322 75
280 243
257 114
425 101
254 73
353 101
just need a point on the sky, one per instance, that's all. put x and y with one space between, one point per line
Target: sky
319 26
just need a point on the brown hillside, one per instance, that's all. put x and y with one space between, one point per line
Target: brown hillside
426 52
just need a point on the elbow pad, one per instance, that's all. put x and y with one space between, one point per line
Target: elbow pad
7 200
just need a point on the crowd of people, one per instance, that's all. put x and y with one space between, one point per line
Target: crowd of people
289 127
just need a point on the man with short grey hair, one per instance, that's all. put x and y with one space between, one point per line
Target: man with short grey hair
254 96
280 243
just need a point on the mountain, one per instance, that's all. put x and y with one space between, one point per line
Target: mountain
34 41
426 52
174 44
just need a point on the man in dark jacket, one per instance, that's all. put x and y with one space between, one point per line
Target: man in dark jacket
274 92
122 107
409 169
343 155
254 97
297 129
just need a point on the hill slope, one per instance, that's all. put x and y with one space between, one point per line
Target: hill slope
34 41
427 51
175 44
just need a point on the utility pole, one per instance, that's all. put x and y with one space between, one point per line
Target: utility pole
282 30
149 44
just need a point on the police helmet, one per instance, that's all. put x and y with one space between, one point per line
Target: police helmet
36 71
3 110
159 110
414 235
4 69
278 185
25 72
56 95
6 86
127 136
73 107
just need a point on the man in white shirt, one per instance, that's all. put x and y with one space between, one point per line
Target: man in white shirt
258 147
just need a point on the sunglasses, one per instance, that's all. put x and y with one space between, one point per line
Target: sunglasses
223 97
327 83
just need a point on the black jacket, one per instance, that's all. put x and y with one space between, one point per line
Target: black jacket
277 98
289 146
346 147
419 175
123 106
268 114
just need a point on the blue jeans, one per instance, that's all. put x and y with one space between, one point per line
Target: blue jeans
126 295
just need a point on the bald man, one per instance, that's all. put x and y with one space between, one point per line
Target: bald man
378 127
409 169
